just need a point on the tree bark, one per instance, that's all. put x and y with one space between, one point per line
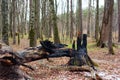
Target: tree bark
12 73
54 22
32 34
26 13
111 4
89 17
97 21
104 33
79 16
14 21
67 18
9 64
71 21
118 20
37 13
11 19
5 30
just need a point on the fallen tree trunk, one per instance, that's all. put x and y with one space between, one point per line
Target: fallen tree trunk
12 73
12 60
38 56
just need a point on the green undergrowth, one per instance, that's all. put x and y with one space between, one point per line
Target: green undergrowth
90 46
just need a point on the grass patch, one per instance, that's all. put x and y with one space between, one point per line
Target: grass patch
69 45
91 45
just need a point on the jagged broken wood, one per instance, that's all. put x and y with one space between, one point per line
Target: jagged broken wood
48 50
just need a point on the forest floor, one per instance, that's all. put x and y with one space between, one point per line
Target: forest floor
108 69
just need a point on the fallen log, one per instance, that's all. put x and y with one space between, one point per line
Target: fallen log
16 59
12 73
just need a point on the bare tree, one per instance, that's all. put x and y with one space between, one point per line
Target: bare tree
89 17
43 17
119 20
79 16
5 31
111 4
54 22
106 29
37 17
14 23
71 21
0 20
32 34
97 21
49 22
10 18
67 19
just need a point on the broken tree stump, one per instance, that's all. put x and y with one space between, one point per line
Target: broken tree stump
11 61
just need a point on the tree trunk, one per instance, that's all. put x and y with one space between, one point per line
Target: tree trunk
11 19
37 13
14 21
18 32
44 24
22 16
71 21
118 20
79 17
54 22
103 41
47 18
32 34
4 7
50 24
9 64
26 13
67 18
12 73
89 17
97 21
18 21
0 20
111 4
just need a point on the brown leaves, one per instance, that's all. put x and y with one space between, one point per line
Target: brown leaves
109 66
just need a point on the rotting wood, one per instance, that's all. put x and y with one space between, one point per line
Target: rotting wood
16 59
